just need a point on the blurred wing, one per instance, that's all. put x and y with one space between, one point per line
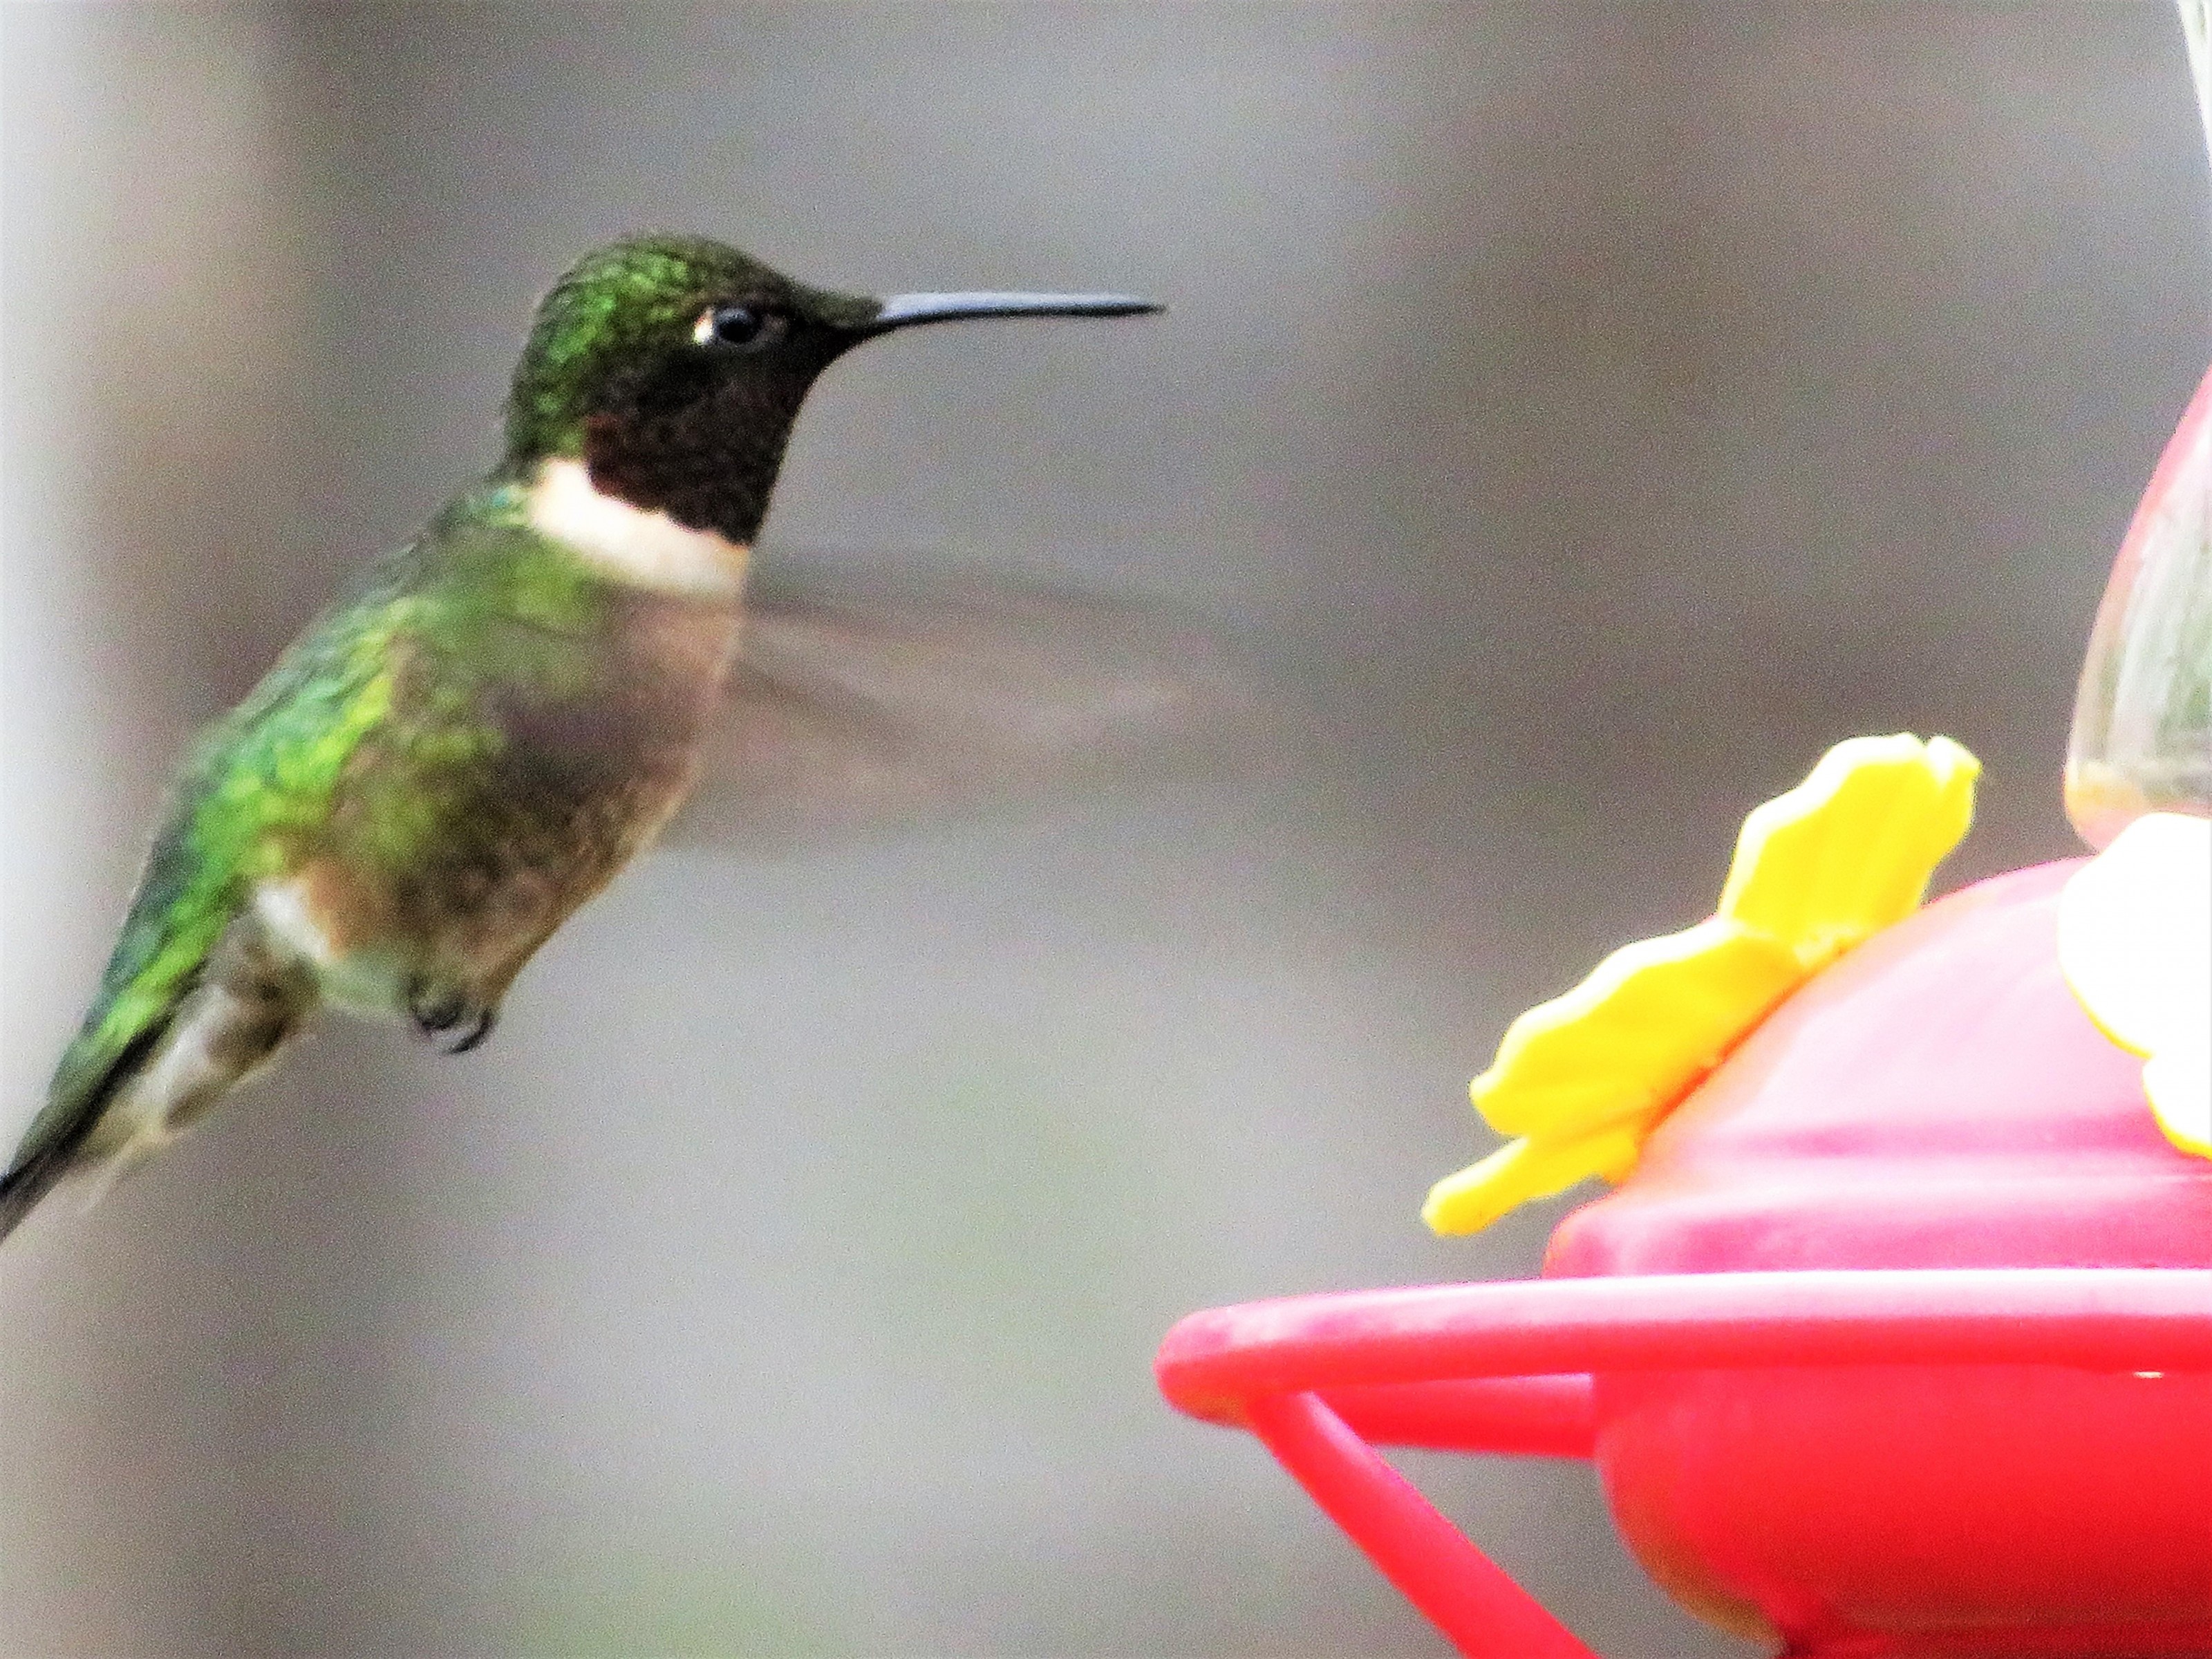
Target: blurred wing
859 706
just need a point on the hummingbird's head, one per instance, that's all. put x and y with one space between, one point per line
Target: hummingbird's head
673 368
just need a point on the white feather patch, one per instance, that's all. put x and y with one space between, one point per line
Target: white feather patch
646 550
282 908
185 1066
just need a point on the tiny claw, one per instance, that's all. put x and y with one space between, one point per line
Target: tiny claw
479 1027
447 1020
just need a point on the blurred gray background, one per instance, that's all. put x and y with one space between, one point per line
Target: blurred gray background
1583 415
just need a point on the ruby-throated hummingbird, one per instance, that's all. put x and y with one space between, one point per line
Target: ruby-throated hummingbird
474 740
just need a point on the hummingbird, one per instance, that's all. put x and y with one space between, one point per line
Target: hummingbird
490 722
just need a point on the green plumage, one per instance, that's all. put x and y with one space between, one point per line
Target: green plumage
446 727
469 744
255 782
454 754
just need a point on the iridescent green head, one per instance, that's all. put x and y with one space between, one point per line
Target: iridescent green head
674 367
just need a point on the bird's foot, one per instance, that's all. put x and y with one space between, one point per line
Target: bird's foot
447 1018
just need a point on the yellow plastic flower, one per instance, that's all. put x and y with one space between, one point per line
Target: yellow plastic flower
1582 1079
2135 941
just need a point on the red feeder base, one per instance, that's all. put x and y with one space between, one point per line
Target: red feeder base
1898 1343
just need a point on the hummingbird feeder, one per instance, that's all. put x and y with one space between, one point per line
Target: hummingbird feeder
1895 1339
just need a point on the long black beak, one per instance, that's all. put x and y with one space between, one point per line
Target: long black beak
903 310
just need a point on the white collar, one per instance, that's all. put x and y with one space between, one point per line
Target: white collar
644 549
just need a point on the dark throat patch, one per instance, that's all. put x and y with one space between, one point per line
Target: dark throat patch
703 453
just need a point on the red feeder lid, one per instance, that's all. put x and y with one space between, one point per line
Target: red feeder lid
1937 1098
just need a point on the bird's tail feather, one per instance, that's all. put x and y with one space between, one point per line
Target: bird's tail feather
44 1160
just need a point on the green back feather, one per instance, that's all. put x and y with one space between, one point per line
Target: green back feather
271 762
482 594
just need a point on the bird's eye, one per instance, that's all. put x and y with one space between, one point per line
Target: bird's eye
744 327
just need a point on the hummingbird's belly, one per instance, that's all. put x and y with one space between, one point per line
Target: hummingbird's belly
465 833
468 914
